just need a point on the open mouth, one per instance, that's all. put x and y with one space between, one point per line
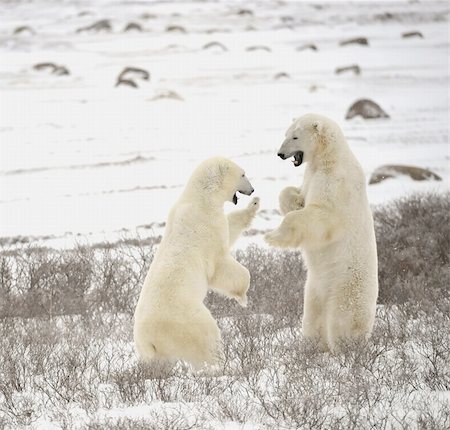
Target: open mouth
298 158
246 192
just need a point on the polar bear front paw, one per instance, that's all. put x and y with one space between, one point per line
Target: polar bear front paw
276 238
284 236
290 199
253 206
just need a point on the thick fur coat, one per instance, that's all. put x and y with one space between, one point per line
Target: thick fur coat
171 321
329 218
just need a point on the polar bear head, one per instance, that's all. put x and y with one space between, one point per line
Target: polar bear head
218 180
305 138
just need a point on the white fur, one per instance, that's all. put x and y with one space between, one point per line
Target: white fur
329 218
171 321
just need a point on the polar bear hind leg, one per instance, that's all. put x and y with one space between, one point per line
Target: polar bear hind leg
313 322
203 343
195 339
347 323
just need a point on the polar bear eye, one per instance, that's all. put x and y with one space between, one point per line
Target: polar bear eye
243 174
295 138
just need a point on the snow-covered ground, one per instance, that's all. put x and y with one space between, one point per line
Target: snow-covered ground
83 160
81 156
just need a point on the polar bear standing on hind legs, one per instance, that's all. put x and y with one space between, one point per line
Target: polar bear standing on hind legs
329 218
171 321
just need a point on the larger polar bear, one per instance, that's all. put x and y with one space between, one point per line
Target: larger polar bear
171 321
329 218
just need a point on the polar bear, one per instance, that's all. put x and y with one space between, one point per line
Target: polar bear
329 218
171 322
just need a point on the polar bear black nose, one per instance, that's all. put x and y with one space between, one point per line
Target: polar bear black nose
281 155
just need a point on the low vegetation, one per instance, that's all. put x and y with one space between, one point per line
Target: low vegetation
66 353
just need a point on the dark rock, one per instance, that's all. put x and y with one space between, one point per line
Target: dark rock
131 73
133 26
127 83
353 68
53 68
24 29
167 94
385 16
44 66
356 41
287 19
410 34
281 75
393 170
219 45
176 28
258 48
102 25
309 46
367 109
146 15
244 12
176 48
61 71
216 30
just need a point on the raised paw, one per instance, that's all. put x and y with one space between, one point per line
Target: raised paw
290 199
284 236
275 238
254 204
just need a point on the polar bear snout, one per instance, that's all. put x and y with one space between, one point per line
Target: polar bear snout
247 193
244 186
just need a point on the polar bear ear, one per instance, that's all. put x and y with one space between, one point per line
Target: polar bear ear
317 126
222 170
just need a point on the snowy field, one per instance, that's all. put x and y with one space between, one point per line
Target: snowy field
67 359
84 160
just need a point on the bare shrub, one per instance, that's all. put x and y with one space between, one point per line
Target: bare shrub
173 418
131 383
433 415
66 352
413 239
42 282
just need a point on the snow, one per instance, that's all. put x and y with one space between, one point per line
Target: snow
80 156
84 161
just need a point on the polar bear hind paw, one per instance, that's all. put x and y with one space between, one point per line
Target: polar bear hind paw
242 300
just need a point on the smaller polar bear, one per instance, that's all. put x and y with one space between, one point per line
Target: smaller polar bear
171 321
329 218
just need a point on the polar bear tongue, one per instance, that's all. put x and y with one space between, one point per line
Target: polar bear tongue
298 158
